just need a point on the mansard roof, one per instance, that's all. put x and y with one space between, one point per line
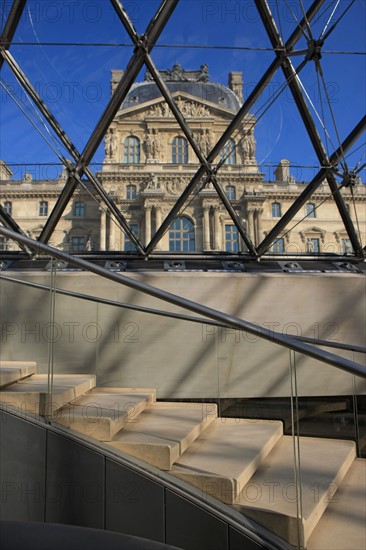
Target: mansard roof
193 83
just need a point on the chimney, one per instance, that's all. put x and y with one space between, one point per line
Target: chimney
5 172
116 77
282 172
236 84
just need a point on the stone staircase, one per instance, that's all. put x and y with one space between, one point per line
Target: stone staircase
246 464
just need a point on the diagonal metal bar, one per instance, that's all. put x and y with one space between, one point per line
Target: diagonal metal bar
190 305
168 314
71 185
175 210
11 25
133 68
234 124
8 221
234 216
125 20
312 186
146 43
161 84
290 75
178 115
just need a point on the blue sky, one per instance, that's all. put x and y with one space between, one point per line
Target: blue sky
74 81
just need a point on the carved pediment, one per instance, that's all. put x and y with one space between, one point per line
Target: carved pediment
189 106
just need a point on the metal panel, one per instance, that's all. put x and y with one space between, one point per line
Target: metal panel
134 504
22 469
290 75
75 483
238 541
190 527
11 25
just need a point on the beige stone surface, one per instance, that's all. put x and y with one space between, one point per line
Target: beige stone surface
12 371
164 431
343 524
271 498
102 412
226 455
32 394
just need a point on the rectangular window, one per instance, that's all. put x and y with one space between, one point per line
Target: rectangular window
43 208
78 244
129 245
310 210
276 210
231 238
8 207
131 192
179 150
79 209
3 243
278 246
313 246
347 247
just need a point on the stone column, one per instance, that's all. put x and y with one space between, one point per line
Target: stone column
223 233
217 229
147 224
251 225
103 227
258 219
112 232
158 216
206 228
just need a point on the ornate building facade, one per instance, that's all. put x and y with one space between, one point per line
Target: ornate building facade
148 163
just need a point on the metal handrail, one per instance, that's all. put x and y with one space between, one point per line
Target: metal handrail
169 314
229 320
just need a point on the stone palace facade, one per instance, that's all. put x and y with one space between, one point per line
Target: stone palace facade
148 162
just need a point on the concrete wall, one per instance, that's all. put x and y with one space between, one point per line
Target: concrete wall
183 359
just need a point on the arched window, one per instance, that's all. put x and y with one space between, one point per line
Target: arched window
131 192
179 150
310 210
230 192
181 235
131 150
79 209
229 152
276 210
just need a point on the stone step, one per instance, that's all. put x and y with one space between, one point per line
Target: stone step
31 394
102 412
271 499
226 455
12 371
161 433
343 522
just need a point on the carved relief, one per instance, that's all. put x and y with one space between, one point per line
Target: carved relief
152 144
178 74
152 183
187 108
175 186
249 146
111 145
